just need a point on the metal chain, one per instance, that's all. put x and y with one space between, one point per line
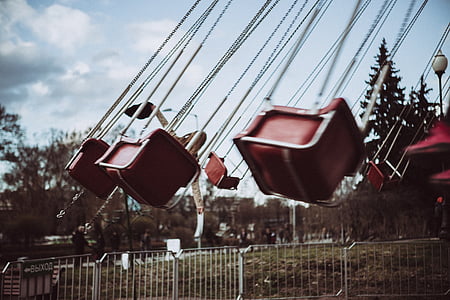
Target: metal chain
88 225
187 107
215 140
165 42
130 85
75 198
404 26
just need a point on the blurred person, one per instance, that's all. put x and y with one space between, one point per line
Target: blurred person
115 241
79 241
243 238
146 240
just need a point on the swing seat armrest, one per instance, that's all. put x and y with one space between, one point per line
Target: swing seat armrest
111 151
271 142
86 144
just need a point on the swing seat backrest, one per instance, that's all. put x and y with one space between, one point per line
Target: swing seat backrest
152 169
217 173
380 176
83 169
302 156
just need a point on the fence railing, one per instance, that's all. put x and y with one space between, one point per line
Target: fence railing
292 271
281 271
419 268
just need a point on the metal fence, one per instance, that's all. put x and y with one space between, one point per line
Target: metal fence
418 268
281 271
292 271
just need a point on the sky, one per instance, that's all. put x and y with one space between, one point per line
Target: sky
64 62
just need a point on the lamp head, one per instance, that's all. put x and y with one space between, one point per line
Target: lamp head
439 63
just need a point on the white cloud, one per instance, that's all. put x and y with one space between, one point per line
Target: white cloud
39 88
24 49
63 27
78 69
113 66
148 36
13 12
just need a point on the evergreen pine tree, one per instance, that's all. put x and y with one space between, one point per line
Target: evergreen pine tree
421 114
387 110
416 126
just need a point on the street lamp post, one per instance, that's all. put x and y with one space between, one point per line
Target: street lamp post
439 65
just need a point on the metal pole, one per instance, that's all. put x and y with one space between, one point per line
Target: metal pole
443 233
440 95
346 272
241 274
175 275
294 221
97 274
130 245
130 233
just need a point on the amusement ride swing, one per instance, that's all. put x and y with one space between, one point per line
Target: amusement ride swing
288 149
156 155
300 159
295 164
153 168
84 165
381 172
337 116
81 166
215 169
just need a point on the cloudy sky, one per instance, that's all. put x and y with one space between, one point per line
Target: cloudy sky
64 62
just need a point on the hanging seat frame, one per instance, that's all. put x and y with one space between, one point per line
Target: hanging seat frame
83 169
152 169
383 175
217 173
286 150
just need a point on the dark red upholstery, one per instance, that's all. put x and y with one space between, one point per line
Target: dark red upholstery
152 169
299 155
217 173
84 170
378 175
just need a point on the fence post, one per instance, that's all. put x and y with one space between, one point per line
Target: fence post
241 274
96 280
176 261
346 272
2 280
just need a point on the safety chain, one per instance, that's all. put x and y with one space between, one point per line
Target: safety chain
404 27
130 85
228 54
88 225
75 198
165 42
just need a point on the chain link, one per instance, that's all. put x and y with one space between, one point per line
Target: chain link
75 198
88 225
184 111
164 43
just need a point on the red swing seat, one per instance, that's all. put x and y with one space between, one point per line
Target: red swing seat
295 154
152 169
381 176
83 169
217 173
